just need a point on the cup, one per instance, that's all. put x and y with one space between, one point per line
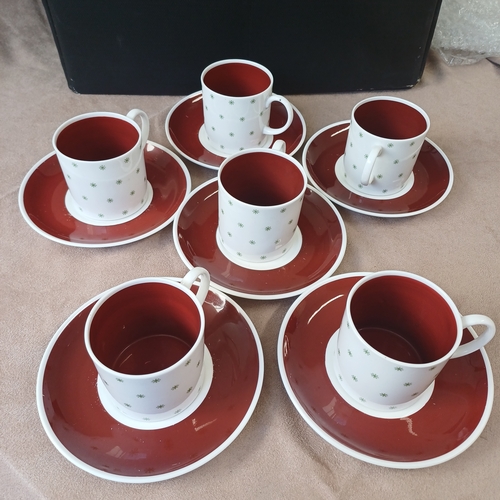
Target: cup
383 143
397 333
237 97
146 340
260 196
102 158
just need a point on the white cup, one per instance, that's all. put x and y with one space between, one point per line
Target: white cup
237 97
383 143
398 332
102 158
146 339
260 198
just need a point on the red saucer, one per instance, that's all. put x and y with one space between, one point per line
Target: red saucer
447 425
84 433
433 176
186 118
42 192
323 247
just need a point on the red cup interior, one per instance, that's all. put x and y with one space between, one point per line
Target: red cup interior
390 119
404 319
144 328
263 179
97 138
237 79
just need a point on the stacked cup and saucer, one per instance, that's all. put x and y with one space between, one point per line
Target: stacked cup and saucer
134 386
380 163
105 184
259 229
384 368
236 109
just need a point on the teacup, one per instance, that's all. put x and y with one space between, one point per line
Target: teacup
397 333
102 158
260 198
146 340
384 140
237 96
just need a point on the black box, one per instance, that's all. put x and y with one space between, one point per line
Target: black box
160 47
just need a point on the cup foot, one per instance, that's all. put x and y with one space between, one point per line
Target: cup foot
292 251
205 142
365 193
75 212
159 420
375 410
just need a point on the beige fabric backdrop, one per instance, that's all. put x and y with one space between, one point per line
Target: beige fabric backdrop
277 456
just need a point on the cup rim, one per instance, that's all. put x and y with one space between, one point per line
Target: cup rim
265 151
109 293
394 99
426 282
95 114
238 61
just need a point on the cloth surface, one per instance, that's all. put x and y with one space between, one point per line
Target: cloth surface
277 455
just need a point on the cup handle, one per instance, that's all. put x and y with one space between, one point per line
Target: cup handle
276 131
192 276
481 340
133 114
367 174
279 145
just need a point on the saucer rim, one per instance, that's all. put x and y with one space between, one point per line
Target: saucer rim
81 464
369 212
216 167
124 241
276 296
356 454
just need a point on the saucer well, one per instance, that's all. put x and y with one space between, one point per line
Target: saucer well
452 420
433 177
84 433
185 119
42 202
323 247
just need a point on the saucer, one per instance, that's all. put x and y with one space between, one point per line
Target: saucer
84 433
185 119
323 246
42 202
452 420
433 177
